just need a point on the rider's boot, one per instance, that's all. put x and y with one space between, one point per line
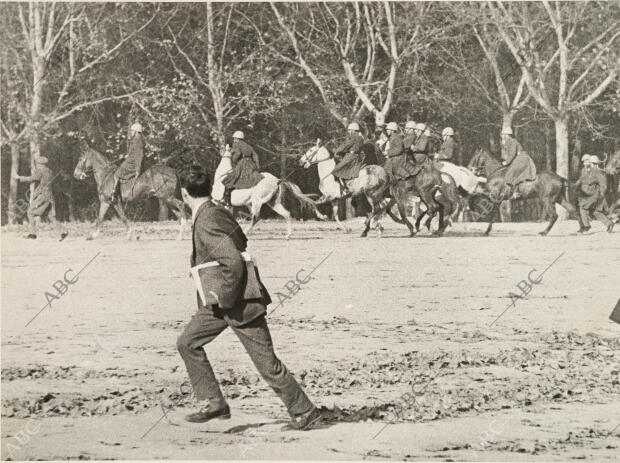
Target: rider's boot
226 198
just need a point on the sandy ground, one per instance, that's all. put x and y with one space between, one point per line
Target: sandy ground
96 374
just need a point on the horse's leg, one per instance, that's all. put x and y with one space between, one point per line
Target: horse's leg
121 213
373 211
388 209
280 209
492 215
420 217
276 204
255 212
341 226
402 210
103 208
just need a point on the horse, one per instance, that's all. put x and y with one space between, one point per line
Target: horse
372 182
157 181
548 187
270 190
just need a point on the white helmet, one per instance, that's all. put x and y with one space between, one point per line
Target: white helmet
392 126
447 131
410 125
238 135
420 126
585 157
506 131
354 126
594 159
136 127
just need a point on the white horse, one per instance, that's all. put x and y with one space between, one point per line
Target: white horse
371 181
269 190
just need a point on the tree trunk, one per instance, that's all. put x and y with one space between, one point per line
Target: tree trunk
548 155
11 212
561 147
163 210
507 118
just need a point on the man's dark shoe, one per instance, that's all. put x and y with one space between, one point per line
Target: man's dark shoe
31 236
63 235
207 414
584 229
305 422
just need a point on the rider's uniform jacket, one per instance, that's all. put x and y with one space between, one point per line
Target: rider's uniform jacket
352 144
446 151
397 146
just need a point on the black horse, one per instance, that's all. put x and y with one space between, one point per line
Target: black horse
157 181
548 187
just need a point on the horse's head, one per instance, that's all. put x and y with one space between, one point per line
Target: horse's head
613 164
314 155
84 165
226 152
476 164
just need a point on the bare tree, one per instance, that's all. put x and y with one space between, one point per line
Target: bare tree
353 52
58 48
572 73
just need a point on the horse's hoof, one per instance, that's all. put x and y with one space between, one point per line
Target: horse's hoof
364 235
543 233
89 238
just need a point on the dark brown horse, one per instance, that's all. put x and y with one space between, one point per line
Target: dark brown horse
158 181
436 193
548 187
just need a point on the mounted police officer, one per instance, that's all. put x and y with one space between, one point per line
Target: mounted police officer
398 164
349 156
446 151
421 145
245 167
591 188
130 168
410 136
520 167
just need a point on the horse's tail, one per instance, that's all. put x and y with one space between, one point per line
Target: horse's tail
307 203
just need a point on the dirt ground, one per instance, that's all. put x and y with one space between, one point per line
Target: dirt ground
96 374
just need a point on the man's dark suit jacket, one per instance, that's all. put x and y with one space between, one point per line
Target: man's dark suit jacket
217 237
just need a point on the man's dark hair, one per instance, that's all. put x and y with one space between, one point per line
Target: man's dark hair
197 182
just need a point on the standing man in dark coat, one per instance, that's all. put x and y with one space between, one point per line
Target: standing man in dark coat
398 165
520 167
130 168
217 237
42 198
591 188
349 156
245 167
